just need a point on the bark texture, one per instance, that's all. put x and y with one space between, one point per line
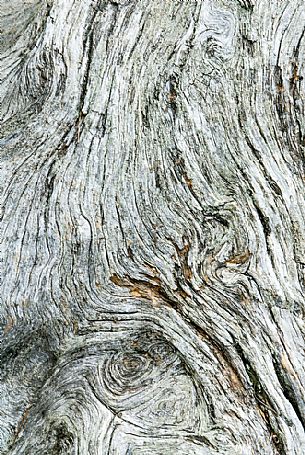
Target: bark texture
152 227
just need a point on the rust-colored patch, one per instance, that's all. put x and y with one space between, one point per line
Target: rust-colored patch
182 293
115 279
141 288
183 251
9 325
245 299
187 272
136 293
22 421
295 73
189 181
183 255
172 96
239 258
235 381
149 292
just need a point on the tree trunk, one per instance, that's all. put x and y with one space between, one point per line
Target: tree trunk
152 227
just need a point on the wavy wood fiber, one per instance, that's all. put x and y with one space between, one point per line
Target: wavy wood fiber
152 227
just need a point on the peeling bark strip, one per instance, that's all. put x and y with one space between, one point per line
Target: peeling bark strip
152 227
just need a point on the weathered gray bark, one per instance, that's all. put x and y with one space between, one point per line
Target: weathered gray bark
152 227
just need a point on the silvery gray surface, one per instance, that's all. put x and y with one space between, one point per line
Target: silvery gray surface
152 227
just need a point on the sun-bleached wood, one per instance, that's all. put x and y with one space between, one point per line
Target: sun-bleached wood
152 227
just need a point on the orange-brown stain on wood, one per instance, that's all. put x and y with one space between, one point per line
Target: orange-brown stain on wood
141 289
115 279
187 272
188 181
172 96
183 255
9 325
148 292
23 420
239 258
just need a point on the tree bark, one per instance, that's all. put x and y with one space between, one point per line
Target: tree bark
152 227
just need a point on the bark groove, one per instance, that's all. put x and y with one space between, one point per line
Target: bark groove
152 227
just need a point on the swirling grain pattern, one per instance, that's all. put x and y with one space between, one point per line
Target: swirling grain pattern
152 227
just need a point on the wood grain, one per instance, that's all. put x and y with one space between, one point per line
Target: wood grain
152 227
